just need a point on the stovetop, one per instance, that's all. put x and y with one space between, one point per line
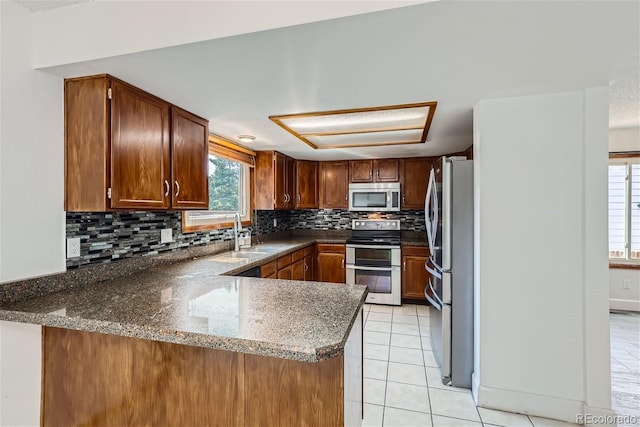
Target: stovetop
379 232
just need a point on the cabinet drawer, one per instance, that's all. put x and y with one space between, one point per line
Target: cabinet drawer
269 269
331 247
297 255
284 261
308 250
415 250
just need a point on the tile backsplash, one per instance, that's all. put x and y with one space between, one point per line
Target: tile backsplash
109 237
339 219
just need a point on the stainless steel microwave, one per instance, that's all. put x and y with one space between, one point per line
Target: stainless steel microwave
380 197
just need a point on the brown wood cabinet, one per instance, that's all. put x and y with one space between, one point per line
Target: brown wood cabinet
414 177
414 276
189 160
269 270
306 185
331 258
297 270
379 170
274 187
118 142
309 264
334 185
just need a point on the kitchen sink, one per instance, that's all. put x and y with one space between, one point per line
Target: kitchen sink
247 253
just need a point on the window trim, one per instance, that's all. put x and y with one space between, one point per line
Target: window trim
221 147
625 158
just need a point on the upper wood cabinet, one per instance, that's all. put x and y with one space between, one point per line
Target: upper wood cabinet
189 160
306 184
414 276
334 185
118 149
414 177
379 170
274 185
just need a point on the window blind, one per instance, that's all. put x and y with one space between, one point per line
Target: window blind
222 147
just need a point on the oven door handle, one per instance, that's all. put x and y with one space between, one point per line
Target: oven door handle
371 246
359 267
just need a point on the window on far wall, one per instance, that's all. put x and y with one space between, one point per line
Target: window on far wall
624 210
229 188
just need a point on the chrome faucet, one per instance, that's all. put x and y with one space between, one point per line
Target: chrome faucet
237 226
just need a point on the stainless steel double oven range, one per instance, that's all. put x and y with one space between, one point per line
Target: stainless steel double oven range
373 259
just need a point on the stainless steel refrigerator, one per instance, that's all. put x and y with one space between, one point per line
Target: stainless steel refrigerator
449 220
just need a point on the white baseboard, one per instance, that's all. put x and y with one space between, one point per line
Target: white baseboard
624 304
475 384
538 405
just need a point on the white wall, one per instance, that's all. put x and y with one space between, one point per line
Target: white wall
112 28
31 156
542 331
624 139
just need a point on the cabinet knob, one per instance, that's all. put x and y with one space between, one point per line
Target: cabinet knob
177 189
166 188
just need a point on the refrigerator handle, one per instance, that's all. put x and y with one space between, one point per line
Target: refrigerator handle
432 270
437 303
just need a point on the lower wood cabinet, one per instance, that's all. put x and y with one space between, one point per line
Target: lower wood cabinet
331 258
414 275
297 265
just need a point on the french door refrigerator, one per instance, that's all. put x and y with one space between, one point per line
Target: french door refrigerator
449 221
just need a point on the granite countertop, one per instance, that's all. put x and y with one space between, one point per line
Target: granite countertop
195 303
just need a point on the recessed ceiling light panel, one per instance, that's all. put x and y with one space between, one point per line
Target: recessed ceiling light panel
388 125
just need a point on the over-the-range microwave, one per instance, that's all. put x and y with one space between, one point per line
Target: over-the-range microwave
378 197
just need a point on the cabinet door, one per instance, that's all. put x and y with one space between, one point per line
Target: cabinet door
306 174
331 267
289 182
387 170
414 177
334 185
280 166
285 273
189 160
297 270
308 268
361 171
414 275
140 149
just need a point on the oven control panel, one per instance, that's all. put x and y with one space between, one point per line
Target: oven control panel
375 224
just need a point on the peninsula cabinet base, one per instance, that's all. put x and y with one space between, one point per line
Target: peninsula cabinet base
94 379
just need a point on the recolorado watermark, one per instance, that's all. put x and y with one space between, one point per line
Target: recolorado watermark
587 419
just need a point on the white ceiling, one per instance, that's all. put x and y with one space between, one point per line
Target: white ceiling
452 52
44 5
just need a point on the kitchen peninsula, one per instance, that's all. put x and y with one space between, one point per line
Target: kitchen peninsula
185 344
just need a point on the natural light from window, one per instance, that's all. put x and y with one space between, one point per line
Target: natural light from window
624 211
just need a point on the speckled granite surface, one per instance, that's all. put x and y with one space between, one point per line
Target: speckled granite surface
193 303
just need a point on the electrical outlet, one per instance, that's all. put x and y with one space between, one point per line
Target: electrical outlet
73 247
626 284
275 222
166 235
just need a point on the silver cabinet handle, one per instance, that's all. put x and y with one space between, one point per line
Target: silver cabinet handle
177 188
403 199
404 265
284 197
166 186
342 262
306 267
378 173
298 198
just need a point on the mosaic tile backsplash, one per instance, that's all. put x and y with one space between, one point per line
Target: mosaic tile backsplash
109 237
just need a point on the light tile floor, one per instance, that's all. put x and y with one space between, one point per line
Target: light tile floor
625 365
402 385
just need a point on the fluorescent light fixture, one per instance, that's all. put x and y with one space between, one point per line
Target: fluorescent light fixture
246 138
361 127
